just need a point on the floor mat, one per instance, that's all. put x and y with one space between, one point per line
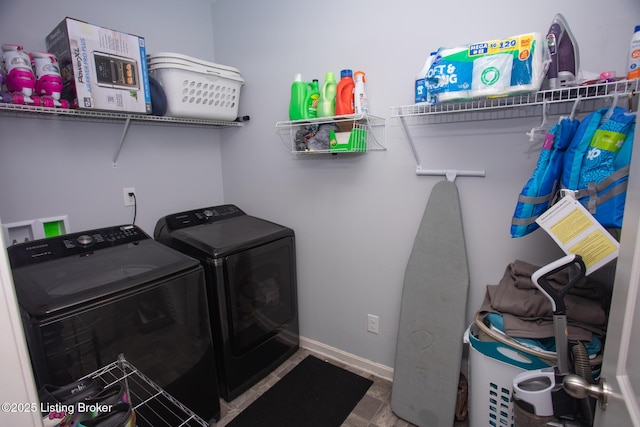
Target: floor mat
314 394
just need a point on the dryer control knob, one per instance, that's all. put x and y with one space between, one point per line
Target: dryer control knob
85 240
208 213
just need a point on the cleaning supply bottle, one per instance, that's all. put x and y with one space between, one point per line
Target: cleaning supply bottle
421 91
633 70
297 110
312 99
327 104
344 97
361 101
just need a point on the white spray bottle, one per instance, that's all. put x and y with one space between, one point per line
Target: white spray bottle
361 101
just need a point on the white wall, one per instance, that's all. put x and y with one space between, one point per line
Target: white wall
50 167
356 217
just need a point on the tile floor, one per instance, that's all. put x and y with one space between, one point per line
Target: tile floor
374 410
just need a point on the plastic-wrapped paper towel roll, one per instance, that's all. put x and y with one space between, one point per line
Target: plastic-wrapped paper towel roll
494 68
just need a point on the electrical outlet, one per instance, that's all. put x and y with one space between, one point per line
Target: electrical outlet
372 323
129 200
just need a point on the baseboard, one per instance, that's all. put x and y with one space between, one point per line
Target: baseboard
374 368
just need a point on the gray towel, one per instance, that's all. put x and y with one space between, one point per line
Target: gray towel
527 312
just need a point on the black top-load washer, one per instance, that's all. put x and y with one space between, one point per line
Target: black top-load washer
250 271
86 298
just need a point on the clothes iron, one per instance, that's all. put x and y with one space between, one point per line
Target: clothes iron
565 57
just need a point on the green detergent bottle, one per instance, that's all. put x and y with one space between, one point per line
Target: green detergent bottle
327 104
312 99
297 107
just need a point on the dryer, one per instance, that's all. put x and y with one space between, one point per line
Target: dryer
250 272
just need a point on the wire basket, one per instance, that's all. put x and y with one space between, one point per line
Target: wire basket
153 406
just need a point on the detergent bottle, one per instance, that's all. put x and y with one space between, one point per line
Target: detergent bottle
633 70
312 99
297 110
361 101
327 104
344 97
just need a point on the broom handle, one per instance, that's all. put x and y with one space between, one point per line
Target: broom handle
562 342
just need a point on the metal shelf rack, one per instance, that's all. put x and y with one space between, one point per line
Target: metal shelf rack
153 406
109 117
545 97
547 102
374 126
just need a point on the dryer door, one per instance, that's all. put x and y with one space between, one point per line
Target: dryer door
261 284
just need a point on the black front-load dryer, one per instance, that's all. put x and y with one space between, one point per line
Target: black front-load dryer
250 272
86 298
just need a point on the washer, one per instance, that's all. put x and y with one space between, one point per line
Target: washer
85 298
250 271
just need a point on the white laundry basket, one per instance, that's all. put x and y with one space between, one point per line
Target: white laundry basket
492 367
195 88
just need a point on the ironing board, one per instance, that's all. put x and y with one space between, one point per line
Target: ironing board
432 315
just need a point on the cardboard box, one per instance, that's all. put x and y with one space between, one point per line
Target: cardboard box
101 69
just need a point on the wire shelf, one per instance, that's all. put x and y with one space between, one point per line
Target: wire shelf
153 406
107 116
548 102
30 111
562 95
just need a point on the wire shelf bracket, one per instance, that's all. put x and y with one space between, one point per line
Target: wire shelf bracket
450 174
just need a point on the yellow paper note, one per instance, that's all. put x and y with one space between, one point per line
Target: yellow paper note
576 231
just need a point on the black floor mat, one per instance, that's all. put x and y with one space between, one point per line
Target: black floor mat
314 394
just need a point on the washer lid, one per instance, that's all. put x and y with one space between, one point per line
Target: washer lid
47 287
231 235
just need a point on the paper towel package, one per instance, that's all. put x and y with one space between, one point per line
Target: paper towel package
495 68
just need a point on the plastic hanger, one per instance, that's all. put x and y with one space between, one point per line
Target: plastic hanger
630 99
574 109
614 104
536 131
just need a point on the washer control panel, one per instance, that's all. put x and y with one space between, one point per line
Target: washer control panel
202 216
73 244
